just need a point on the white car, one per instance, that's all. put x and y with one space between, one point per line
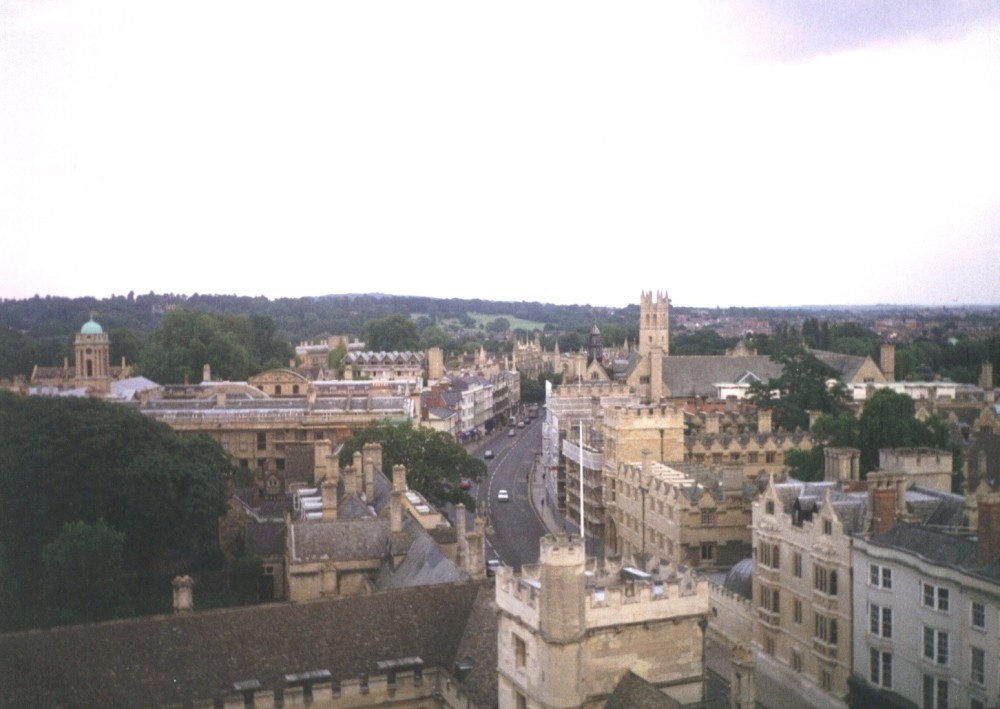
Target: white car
503 496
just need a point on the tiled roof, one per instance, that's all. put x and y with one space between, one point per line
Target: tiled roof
174 659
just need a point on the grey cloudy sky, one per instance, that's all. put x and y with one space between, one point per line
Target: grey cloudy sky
735 152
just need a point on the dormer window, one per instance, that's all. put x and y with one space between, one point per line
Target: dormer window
769 507
827 526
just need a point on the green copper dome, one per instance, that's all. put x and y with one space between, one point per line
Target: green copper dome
91 327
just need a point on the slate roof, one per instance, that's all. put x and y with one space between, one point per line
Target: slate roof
424 564
479 644
174 659
847 365
696 375
932 545
339 540
936 508
265 539
633 692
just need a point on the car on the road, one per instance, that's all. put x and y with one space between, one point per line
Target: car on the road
511 433
503 495
492 565
488 455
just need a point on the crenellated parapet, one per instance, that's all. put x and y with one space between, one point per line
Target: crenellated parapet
316 689
583 389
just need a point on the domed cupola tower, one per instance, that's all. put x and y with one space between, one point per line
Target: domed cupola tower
93 357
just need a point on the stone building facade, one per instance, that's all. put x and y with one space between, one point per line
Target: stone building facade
927 608
569 631
802 589
659 514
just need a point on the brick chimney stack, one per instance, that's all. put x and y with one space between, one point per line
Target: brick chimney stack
988 528
986 382
887 500
888 357
328 490
359 473
463 549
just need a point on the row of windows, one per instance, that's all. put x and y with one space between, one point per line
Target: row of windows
932 596
770 457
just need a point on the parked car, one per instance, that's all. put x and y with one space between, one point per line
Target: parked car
511 433
503 496
488 455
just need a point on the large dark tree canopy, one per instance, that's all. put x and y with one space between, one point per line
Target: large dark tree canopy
64 461
435 462
395 333
235 346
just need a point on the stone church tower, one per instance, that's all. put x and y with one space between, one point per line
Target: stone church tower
654 345
654 323
93 358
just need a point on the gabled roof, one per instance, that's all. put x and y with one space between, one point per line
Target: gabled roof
697 375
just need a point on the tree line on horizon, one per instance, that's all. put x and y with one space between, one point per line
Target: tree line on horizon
169 338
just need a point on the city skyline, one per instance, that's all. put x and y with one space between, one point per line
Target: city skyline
752 153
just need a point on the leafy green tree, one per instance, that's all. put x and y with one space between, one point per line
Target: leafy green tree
336 357
15 353
268 349
498 325
805 465
81 460
838 429
889 420
434 336
571 342
701 342
394 333
125 342
805 384
85 580
435 462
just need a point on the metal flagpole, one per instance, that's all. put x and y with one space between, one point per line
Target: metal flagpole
583 536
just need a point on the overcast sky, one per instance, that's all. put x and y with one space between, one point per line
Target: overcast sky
750 152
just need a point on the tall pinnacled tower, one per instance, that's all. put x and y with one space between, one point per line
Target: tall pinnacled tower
654 323
654 345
